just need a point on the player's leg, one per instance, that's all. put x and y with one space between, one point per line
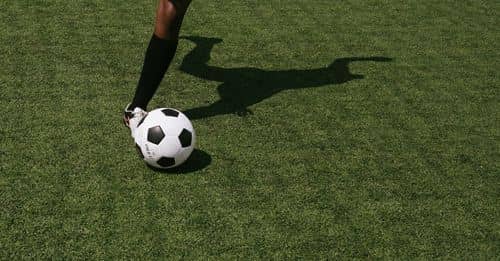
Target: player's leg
160 52
169 17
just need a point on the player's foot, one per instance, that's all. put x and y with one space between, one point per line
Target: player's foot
133 117
127 114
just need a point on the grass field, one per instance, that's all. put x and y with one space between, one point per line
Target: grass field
314 162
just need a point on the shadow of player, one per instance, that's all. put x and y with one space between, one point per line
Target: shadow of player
246 86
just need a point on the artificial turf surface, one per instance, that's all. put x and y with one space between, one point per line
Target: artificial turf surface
297 156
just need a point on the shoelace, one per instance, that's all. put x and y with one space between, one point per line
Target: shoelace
139 113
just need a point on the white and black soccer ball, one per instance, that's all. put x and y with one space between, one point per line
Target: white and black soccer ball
165 138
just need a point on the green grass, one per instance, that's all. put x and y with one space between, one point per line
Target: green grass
404 163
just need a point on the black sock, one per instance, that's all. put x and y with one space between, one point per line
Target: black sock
159 54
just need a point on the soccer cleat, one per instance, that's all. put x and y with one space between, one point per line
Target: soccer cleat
127 114
132 118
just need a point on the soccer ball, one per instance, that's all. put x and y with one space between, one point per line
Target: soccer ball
164 138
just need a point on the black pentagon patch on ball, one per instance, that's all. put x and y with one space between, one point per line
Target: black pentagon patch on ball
155 135
166 162
185 138
170 112
139 151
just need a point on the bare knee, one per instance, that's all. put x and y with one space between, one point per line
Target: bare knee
167 11
169 16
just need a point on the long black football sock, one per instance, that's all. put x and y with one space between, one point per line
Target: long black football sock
158 57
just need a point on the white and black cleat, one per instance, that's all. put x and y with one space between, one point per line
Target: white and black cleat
133 117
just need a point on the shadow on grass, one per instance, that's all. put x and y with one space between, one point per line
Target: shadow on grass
243 87
196 162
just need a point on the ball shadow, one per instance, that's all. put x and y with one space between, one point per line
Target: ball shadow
196 162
